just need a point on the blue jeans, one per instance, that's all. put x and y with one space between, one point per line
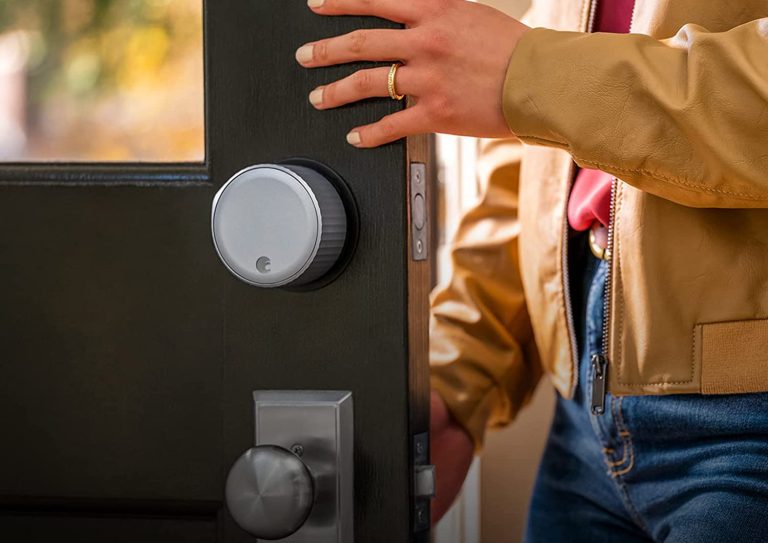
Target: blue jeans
676 468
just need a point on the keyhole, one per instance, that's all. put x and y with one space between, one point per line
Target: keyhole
264 265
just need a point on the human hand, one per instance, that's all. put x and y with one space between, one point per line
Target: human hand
452 451
454 53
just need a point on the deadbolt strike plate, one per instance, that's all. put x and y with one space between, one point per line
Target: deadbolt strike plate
423 483
316 425
419 214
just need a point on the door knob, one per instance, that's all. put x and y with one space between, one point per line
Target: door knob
279 225
270 492
297 483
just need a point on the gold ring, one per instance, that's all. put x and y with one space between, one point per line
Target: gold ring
603 253
391 83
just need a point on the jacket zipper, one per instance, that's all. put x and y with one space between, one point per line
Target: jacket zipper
591 15
567 290
589 23
600 360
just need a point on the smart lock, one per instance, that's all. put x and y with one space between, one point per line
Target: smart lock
292 224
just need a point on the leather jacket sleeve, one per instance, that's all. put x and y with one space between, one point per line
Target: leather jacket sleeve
482 355
685 118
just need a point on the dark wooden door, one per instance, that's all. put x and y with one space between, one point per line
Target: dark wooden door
128 353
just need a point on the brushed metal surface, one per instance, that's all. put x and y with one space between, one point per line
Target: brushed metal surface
321 423
270 492
276 225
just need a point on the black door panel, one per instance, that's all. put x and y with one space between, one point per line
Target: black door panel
128 353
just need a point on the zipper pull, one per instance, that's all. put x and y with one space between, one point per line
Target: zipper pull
599 380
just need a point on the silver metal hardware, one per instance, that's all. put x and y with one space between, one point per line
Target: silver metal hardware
312 429
419 211
278 225
602 382
423 482
270 492
599 380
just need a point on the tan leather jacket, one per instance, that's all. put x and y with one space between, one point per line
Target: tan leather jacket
678 112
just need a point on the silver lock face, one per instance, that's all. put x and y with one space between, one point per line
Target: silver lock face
276 225
297 430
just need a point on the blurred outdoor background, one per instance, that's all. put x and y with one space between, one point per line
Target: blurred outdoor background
101 80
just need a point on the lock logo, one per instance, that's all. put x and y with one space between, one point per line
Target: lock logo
264 265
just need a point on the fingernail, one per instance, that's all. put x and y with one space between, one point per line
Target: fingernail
353 138
316 96
315 3
304 54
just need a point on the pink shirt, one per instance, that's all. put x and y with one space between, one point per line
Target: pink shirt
590 198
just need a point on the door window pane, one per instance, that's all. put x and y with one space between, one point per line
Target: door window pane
101 80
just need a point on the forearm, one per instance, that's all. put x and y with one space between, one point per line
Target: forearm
482 365
685 119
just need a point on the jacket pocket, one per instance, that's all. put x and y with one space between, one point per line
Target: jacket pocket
733 356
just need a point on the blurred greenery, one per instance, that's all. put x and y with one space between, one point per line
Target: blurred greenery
115 69
92 45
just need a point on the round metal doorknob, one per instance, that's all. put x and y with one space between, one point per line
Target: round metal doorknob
270 492
277 225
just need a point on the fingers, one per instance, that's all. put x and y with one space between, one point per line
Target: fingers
439 417
376 45
370 83
394 10
370 45
390 128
